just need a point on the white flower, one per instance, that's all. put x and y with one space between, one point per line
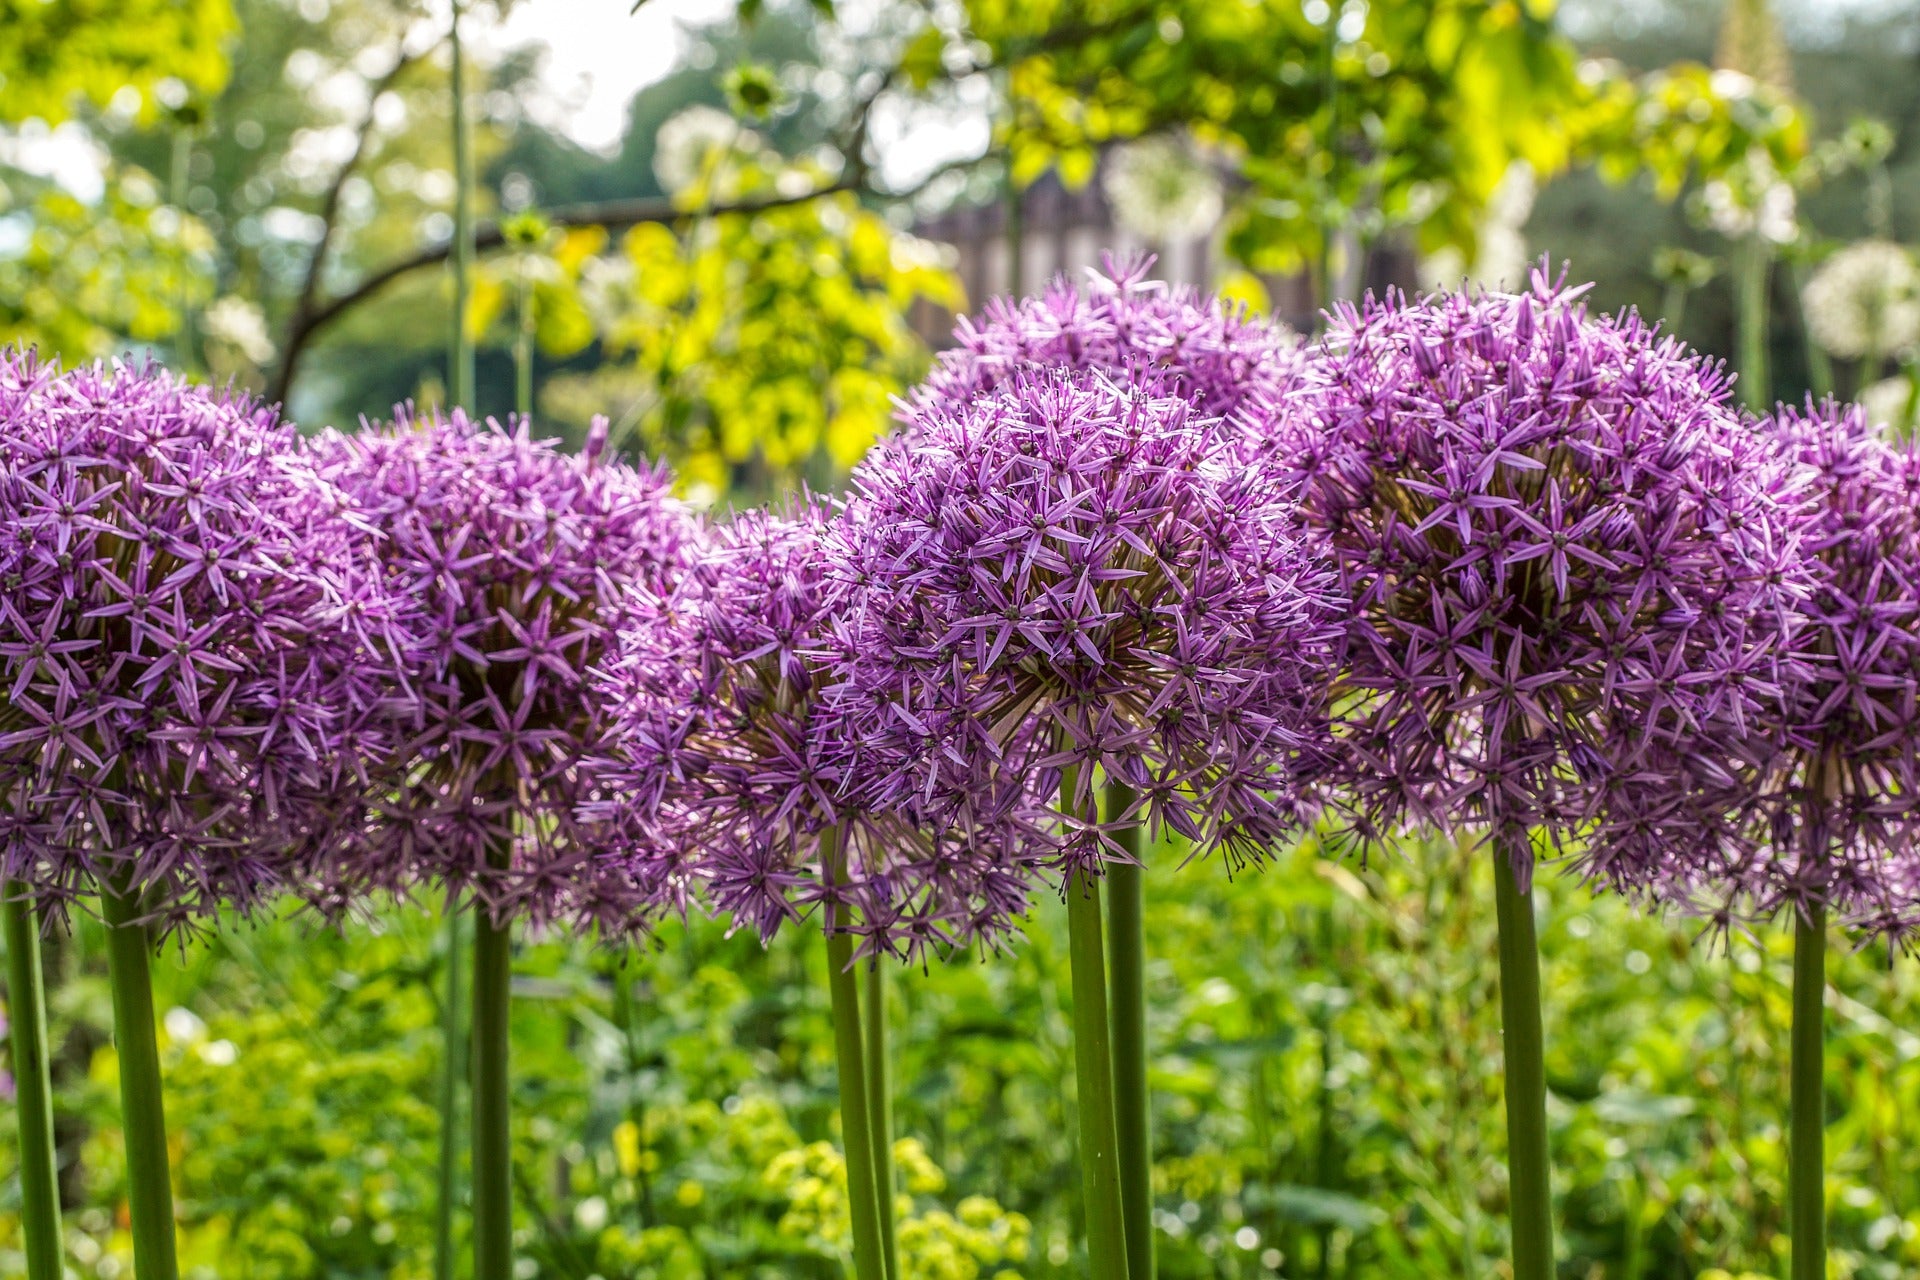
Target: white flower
1500 259
183 1026
684 146
1887 404
1865 300
1752 199
1161 190
1778 214
241 325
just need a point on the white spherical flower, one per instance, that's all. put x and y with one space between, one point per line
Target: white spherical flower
1752 199
1865 300
1778 214
1161 190
1889 406
239 324
684 147
1500 258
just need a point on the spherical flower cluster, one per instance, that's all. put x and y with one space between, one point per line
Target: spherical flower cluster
1564 552
1069 572
199 647
1830 818
1128 327
1865 301
741 759
510 546
1160 189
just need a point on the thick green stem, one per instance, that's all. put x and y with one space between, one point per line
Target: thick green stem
143 1115
33 1087
492 1099
843 987
1127 989
1806 1150
453 1069
1093 1070
1819 364
1530 1182
637 1106
1673 306
182 163
1756 262
461 372
523 350
880 1110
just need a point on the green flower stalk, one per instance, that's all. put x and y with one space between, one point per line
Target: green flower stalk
33 1088
880 1104
1564 556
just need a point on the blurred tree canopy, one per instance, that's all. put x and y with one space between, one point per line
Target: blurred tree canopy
1372 117
84 274
295 205
57 57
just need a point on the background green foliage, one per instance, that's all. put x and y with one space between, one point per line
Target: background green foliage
57 57
1326 1081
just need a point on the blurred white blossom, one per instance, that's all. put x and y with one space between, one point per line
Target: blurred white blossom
239 325
1865 300
684 146
1888 404
1500 259
1754 199
1162 190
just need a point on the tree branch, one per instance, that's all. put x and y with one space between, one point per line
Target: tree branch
608 213
310 316
330 210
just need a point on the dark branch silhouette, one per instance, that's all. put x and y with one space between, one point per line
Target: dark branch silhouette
310 315
303 306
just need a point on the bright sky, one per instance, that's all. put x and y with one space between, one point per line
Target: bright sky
601 53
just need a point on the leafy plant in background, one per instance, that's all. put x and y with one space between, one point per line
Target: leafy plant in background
92 272
536 289
58 58
764 340
1356 121
1316 994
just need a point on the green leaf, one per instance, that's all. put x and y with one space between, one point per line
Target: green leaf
924 59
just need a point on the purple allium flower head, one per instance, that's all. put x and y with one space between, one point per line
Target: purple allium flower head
1567 558
1827 818
198 646
511 546
740 757
1069 572
1126 326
